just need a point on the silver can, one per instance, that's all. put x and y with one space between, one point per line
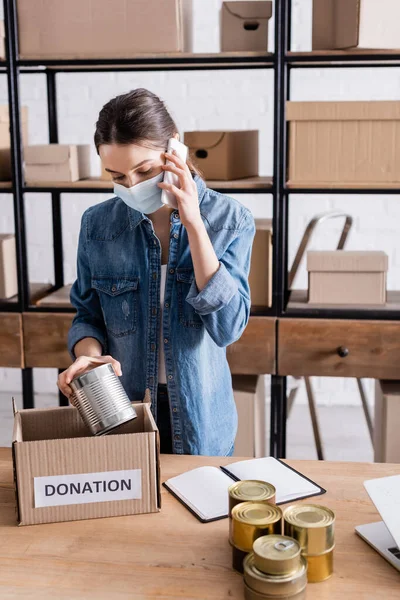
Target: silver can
101 400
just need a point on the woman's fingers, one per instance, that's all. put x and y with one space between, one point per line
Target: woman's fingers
170 187
178 162
181 174
80 366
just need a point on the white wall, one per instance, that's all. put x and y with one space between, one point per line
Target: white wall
208 99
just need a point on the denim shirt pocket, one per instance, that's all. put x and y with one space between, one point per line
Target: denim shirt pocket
187 315
118 299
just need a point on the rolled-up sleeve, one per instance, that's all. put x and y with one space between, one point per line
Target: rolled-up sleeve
224 303
88 321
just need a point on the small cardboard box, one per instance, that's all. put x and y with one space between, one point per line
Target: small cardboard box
347 277
347 24
260 277
387 421
100 29
57 162
244 26
344 142
2 41
5 143
8 266
62 473
224 155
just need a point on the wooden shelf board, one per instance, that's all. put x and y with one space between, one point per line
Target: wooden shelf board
5 185
338 53
95 182
298 301
329 185
58 299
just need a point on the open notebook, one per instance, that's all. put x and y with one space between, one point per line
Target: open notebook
204 491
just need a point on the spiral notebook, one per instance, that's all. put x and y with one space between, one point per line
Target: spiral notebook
204 491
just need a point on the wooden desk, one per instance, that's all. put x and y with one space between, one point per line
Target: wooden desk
171 555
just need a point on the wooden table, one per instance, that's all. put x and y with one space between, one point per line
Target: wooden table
173 556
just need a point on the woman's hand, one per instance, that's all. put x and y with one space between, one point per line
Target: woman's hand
80 366
186 195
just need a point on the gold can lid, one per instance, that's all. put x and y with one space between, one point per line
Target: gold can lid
295 581
252 490
276 548
255 513
309 515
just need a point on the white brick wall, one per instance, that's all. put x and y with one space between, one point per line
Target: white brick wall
208 99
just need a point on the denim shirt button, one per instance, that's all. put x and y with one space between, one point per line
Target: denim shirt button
155 275
177 437
154 312
153 346
176 235
166 305
174 409
165 341
151 380
170 377
172 271
114 288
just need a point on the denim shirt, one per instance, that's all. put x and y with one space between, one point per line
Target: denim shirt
117 298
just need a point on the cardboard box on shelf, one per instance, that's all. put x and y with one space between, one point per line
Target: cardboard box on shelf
62 473
56 162
260 277
348 24
347 277
244 26
101 29
344 142
8 266
387 419
224 155
5 154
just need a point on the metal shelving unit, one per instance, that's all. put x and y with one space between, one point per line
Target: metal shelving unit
282 61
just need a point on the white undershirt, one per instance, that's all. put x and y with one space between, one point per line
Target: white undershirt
162 378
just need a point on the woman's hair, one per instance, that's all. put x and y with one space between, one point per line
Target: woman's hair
138 117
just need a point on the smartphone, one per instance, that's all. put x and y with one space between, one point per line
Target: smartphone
182 152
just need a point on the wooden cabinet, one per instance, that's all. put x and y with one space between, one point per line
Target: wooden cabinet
45 343
254 353
11 354
45 339
339 348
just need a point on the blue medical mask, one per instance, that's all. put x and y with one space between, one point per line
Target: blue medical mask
144 197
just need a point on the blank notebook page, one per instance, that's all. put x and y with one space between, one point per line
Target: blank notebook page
204 490
289 484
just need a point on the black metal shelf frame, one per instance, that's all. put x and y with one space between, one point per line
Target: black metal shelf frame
282 62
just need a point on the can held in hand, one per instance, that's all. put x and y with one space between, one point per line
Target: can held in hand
251 490
277 554
259 585
251 520
313 526
101 400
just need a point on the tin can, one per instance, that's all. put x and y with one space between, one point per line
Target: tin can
251 520
250 594
277 554
313 526
101 400
238 557
275 586
251 490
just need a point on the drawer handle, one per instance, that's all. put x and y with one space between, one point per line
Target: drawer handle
343 351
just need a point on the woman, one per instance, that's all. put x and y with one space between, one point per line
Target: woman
160 293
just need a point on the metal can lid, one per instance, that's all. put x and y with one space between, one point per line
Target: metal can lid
279 548
309 516
274 585
252 490
255 513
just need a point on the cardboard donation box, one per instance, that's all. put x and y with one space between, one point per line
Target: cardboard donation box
346 24
224 155
8 266
387 421
57 162
5 142
100 29
344 142
244 26
347 277
63 473
260 277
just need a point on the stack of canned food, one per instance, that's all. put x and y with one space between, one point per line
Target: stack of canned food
276 565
